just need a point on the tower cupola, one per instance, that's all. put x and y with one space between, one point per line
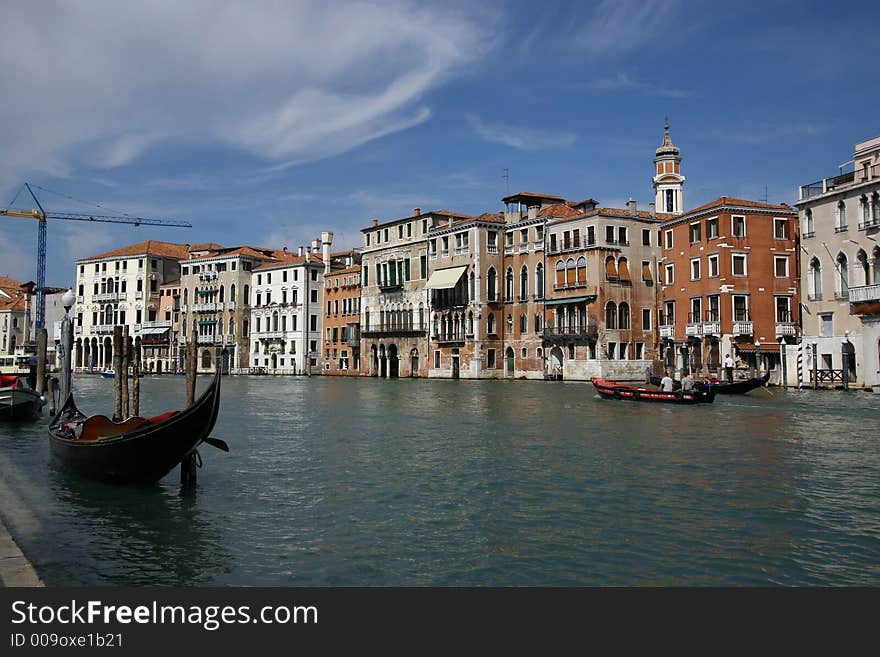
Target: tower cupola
668 181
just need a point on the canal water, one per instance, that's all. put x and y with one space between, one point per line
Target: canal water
350 482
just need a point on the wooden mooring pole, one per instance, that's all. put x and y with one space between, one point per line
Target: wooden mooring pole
188 468
136 379
126 357
119 374
40 383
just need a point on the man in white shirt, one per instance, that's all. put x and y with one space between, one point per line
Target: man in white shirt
666 383
728 368
687 383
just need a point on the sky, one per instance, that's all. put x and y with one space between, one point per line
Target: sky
268 122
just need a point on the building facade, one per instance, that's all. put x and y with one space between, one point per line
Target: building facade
120 287
15 299
840 275
729 274
342 312
159 338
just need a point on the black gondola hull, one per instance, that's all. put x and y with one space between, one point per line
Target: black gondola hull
722 387
145 454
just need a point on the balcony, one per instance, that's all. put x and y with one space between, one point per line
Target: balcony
393 331
102 328
523 247
711 328
109 296
692 329
163 324
270 335
786 329
208 339
667 331
870 223
492 249
444 253
839 181
864 293
538 245
580 331
353 339
462 250
80 299
207 307
139 295
743 328
840 229
78 330
230 305
390 287
508 250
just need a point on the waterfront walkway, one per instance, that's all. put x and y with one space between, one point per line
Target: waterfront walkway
15 569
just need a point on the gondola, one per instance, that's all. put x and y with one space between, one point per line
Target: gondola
138 449
613 390
723 387
17 400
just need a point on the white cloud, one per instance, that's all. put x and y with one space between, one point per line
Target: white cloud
524 139
622 25
290 82
626 82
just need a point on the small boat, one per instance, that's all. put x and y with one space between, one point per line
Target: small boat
723 387
135 450
111 374
614 390
17 400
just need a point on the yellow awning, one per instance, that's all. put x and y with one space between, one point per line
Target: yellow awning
443 279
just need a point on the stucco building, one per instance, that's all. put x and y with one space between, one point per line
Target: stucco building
840 221
342 312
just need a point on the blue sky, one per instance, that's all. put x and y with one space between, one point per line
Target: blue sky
266 123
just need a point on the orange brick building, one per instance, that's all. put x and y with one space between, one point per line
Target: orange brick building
729 278
342 300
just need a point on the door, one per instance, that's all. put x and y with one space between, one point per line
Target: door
510 364
455 367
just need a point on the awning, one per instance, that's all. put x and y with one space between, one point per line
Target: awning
745 347
557 302
610 268
646 272
154 331
443 279
623 269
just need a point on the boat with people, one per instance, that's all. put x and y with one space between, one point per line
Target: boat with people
723 387
613 390
111 374
18 401
138 449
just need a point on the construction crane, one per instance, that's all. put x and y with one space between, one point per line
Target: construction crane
41 216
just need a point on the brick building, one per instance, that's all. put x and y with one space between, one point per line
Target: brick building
342 313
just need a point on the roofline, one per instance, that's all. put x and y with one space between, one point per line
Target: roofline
728 207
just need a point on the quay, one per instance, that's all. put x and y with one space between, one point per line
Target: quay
15 568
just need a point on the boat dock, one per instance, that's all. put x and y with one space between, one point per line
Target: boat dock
15 569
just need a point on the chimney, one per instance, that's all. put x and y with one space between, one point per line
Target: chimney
300 250
315 245
326 240
631 206
375 222
417 212
652 208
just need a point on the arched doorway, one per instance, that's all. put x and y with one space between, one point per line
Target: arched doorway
206 359
383 362
509 364
556 361
374 361
107 355
274 361
158 367
414 362
393 362
456 366
226 361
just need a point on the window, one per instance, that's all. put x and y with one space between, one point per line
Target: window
433 245
695 269
490 359
783 310
670 274
490 324
647 276
712 228
609 234
739 264
713 314
400 232
437 360
780 266
696 310
622 237
670 200
610 315
423 267
508 285
524 283
646 237
386 235
670 314
740 308
523 324
552 243
424 226
492 284
314 296
640 350
611 347
826 325
367 235
646 319
713 265
667 243
738 226
539 281
623 318
780 228
840 215
695 232
842 279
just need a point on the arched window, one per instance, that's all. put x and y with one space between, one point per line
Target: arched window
815 280
508 284
809 227
539 281
247 295
875 207
864 268
840 217
570 272
610 315
610 269
492 284
524 283
470 323
473 288
560 274
490 324
623 316
222 294
185 296
274 321
421 317
623 270
876 254
523 323
582 270
842 287
231 326
866 212
538 323
232 293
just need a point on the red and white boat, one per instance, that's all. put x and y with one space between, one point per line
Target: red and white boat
614 390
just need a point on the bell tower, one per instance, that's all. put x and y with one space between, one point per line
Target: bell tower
668 180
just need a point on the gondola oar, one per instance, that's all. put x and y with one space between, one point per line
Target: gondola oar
216 442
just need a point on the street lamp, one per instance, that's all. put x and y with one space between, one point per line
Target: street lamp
757 358
66 346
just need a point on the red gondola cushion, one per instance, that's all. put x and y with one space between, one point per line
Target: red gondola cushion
162 417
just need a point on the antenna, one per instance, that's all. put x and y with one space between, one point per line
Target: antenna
506 177
765 193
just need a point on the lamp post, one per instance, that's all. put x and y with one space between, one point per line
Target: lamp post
66 346
815 365
844 359
757 358
783 363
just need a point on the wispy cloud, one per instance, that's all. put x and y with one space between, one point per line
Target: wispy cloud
524 139
627 83
765 132
622 25
390 205
289 82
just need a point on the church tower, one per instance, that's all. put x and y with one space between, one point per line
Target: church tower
668 180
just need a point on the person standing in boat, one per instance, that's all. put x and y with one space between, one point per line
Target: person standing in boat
728 368
666 383
687 383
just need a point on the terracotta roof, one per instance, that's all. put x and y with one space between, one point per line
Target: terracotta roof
150 247
206 246
245 249
290 260
355 269
560 211
623 213
739 202
10 283
495 217
15 302
531 195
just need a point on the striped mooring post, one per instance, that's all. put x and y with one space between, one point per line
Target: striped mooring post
800 363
